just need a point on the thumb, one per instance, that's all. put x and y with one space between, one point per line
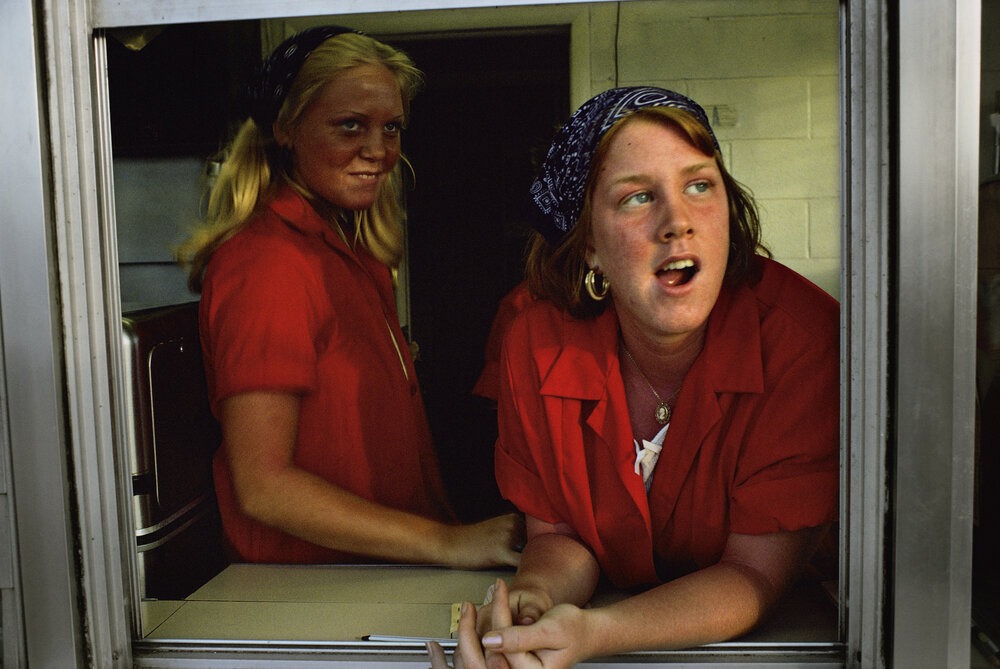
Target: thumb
528 607
527 614
510 557
514 640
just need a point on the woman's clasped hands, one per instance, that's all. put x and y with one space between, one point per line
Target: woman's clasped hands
489 639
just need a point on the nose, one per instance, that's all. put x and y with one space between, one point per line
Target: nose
374 146
675 222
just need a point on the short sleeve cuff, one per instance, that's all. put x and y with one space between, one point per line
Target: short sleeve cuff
523 488
808 500
279 378
489 381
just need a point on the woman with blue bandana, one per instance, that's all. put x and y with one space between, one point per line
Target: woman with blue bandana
668 404
326 454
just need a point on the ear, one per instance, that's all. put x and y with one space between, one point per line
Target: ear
590 257
281 136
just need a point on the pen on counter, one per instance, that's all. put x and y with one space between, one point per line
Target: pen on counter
456 613
405 639
985 645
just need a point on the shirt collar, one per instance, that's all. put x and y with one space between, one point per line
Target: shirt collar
732 354
291 207
586 358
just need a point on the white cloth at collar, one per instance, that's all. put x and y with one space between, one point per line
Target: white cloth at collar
647 455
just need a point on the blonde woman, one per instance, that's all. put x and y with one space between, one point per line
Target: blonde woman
326 454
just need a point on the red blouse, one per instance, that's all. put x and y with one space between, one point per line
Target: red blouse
752 447
510 306
287 306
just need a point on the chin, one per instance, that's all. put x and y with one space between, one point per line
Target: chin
682 323
356 203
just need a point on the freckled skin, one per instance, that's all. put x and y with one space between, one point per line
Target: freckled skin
657 199
348 139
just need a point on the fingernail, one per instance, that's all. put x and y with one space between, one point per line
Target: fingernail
492 641
465 608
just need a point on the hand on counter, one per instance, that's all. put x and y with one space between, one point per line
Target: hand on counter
550 643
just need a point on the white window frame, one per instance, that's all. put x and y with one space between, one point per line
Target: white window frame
911 80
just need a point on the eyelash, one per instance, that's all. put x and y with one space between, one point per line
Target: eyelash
701 187
353 125
629 200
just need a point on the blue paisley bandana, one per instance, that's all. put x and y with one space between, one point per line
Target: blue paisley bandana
556 196
266 92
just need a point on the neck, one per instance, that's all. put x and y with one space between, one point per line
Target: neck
340 220
659 364
665 361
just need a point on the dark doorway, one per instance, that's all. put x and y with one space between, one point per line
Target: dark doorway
175 91
491 104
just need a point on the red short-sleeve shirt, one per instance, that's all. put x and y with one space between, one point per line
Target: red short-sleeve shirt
752 447
288 306
510 306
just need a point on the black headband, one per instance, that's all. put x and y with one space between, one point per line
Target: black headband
556 196
268 88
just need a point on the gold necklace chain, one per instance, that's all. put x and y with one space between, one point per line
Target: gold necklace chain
663 412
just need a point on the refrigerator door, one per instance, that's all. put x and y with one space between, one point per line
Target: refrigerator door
173 439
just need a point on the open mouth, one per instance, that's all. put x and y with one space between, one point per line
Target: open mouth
678 272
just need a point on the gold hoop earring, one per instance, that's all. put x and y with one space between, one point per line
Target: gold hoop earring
588 282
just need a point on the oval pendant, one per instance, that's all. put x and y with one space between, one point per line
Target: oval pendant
662 413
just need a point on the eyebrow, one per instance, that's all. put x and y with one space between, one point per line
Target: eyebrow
641 177
351 112
697 167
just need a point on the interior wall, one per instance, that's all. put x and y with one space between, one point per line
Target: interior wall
157 200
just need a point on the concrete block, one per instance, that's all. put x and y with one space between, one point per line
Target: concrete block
825 231
730 47
785 227
656 9
775 108
784 168
824 107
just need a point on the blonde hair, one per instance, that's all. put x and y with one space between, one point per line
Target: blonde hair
255 165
